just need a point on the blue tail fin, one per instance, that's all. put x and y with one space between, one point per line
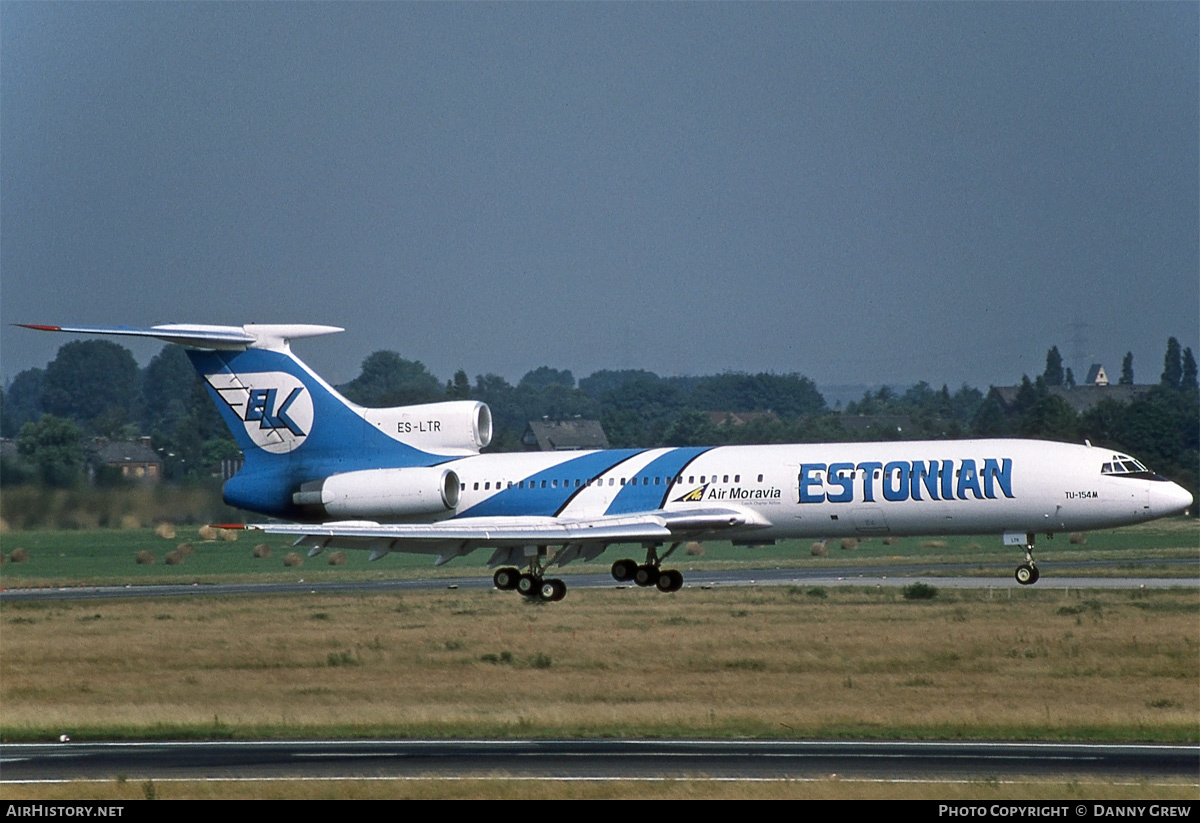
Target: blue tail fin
293 427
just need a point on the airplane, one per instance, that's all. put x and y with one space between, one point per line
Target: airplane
412 479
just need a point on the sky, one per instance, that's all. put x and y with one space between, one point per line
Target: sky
862 193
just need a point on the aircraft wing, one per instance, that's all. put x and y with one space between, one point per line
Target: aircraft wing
452 538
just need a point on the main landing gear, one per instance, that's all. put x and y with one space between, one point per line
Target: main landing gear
530 584
649 573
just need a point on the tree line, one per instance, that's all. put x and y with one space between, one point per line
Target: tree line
95 389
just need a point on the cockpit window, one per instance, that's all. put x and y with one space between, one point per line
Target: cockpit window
1123 465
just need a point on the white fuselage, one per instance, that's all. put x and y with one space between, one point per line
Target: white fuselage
835 489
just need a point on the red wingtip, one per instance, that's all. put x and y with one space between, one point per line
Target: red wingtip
39 328
228 526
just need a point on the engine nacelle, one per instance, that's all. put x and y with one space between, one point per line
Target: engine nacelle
457 426
381 493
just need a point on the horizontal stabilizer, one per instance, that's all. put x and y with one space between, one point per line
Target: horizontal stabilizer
195 336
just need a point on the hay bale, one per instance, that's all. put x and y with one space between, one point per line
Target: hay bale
208 533
820 550
228 535
849 544
1077 538
173 558
694 549
129 523
185 549
144 558
337 559
261 551
165 530
293 559
19 555
4 527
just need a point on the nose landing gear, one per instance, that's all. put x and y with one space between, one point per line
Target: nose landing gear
1027 572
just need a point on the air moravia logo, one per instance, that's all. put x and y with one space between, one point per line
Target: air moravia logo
275 407
694 496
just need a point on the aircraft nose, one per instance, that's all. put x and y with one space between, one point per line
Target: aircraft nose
1169 498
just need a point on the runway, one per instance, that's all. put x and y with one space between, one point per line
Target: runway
591 759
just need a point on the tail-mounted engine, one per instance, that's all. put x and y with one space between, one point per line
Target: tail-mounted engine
454 427
379 494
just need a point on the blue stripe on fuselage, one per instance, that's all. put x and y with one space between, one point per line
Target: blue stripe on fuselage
548 501
641 493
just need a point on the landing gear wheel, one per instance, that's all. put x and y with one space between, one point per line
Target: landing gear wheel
624 570
670 581
553 590
528 585
646 576
1027 574
506 578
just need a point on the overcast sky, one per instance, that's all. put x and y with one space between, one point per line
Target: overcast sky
859 192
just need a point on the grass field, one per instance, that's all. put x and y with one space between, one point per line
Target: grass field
773 662
790 662
108 556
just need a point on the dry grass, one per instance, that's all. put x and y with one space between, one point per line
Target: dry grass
759 662
830 787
